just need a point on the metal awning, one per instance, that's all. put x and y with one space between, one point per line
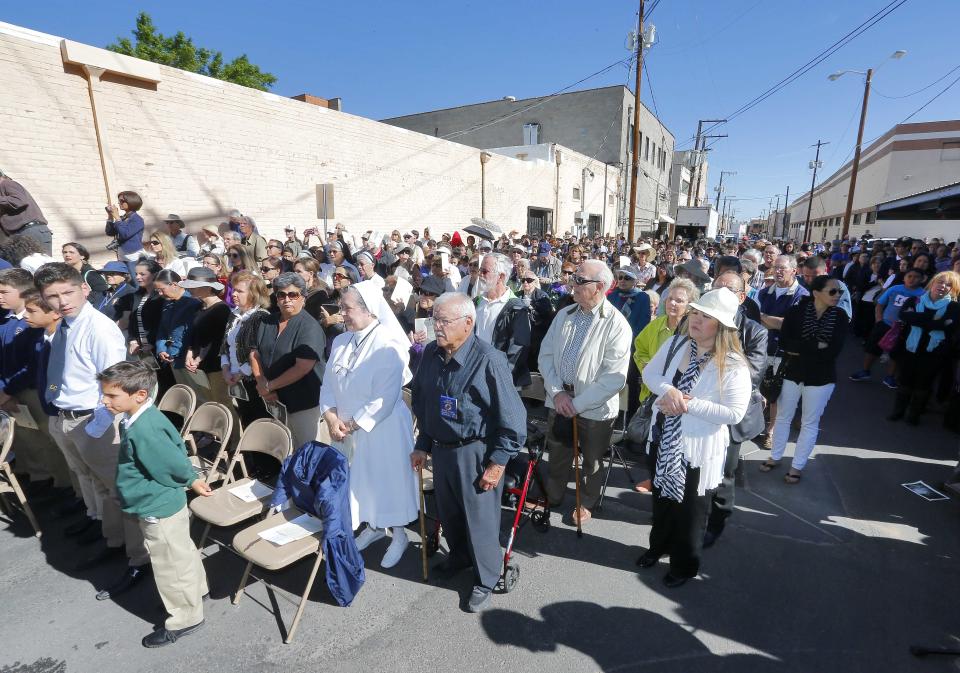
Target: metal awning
922 197
666 219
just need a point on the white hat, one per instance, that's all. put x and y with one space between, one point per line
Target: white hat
721 304
643 247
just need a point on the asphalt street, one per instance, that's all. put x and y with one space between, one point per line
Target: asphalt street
842 572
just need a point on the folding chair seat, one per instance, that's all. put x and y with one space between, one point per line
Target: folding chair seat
264 554
214 421
178 404
8 480
223 508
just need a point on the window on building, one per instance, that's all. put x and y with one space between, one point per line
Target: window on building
630 138
856 218
531 133
576 193
871 217
684 187
950 151
646 150
610 200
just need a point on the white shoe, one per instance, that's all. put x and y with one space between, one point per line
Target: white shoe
369 536
395 550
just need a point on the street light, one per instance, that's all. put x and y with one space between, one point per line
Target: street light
898 54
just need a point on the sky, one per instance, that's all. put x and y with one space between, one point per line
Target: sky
392 58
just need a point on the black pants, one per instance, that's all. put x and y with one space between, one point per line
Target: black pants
678 527
721 505
41 234
253 408
633 387
469 515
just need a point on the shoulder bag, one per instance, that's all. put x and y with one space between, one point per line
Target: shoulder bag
638 429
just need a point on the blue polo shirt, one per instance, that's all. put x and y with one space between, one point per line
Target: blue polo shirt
893 299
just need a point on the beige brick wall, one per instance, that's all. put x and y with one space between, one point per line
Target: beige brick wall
199 147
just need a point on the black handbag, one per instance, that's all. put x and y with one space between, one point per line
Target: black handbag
638 429
772 382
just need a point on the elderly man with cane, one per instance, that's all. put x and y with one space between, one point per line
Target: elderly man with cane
583 359
472 420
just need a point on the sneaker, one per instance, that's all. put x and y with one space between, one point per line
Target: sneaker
890 382
479 599
369 536
862 375
395 551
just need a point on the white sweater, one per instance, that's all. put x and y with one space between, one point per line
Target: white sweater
601 367
710 410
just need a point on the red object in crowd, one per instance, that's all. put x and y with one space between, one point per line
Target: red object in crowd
455 240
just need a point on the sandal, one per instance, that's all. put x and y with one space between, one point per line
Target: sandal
769 465
791 478
645 486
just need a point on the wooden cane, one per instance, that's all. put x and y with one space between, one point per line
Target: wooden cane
576 468
423 529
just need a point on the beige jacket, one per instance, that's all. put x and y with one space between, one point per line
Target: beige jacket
602 367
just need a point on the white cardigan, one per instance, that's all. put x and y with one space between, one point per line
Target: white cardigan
602 367
710 410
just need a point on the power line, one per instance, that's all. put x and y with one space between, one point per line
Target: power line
943 91
813 62
873 89
514 113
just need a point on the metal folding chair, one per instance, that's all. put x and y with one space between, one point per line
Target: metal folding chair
216 422
179 400
8 480
614 453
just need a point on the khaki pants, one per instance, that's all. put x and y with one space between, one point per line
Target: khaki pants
177 568
94 459
304 426
37 449
594 437
209 387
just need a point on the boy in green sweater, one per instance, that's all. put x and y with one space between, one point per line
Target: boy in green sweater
153 473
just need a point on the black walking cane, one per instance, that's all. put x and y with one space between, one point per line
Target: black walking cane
576 468
423 528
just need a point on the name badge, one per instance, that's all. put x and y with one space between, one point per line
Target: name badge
448 407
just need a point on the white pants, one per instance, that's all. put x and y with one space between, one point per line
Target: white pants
813 400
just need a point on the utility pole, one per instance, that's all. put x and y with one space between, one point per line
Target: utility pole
697 158
720 186
635 163
815 164
856 158
786 205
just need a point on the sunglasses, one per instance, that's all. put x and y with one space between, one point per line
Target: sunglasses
580 280
341 276
275 247
833 292
566 272
152 243
288 295
266 269
624 277
529 280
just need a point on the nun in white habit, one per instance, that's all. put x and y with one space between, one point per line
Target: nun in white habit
362 404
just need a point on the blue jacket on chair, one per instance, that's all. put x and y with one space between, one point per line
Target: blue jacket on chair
317 479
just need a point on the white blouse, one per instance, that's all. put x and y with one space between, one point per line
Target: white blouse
714 405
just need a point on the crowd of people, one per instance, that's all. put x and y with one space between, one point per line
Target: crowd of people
716 343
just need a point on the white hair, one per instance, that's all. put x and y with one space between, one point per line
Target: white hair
604 274
790 259
752 254
501 263
459 303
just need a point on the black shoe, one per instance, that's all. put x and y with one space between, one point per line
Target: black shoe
479 599
93 534
130 578
672 581
648 560
78 527
69 508
51 496
163 636
103 556
449 568
710 538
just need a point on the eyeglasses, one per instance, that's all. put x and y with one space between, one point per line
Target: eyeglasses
288 295
267 269
529 280
580 280
443 322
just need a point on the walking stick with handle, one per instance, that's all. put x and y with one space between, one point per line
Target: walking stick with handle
576 468
423 529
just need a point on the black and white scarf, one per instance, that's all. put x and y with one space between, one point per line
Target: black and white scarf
818 329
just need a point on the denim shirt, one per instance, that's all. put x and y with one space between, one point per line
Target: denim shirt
176 320
488 407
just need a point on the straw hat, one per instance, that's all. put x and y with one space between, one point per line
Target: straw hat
721 304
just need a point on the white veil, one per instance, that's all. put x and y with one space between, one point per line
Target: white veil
372 296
